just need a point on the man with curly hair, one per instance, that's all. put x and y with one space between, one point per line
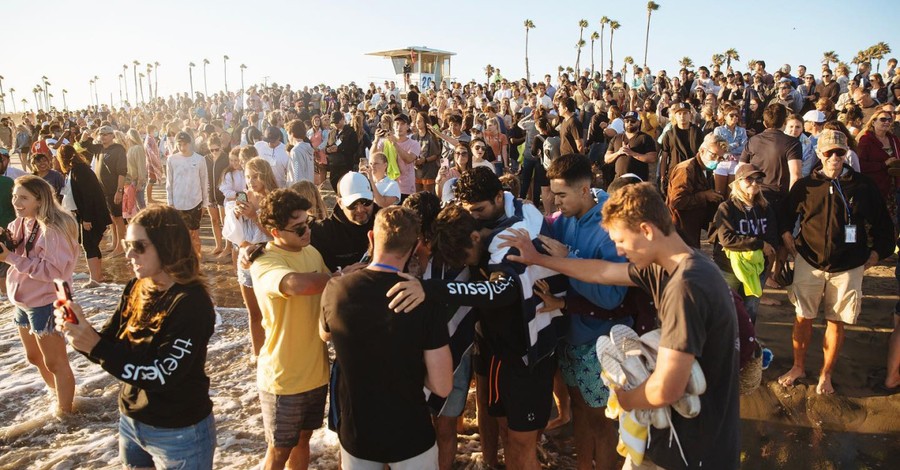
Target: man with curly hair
292 369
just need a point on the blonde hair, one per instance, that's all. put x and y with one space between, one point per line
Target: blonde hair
259 165
738 194
311 193
50 214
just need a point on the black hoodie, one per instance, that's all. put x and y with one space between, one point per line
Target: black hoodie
817 202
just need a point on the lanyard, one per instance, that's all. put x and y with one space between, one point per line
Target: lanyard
386 266
837 184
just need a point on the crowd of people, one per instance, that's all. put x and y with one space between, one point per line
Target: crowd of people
491 231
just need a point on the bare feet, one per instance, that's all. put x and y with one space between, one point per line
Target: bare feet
559 422
824 387
218 251
891 382
770 283
788 379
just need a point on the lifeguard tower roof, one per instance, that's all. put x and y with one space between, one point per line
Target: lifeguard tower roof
405 52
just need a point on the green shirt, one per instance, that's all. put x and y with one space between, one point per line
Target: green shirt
7 213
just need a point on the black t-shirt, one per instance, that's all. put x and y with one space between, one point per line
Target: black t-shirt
640 143
112 163
384 416
697 316
569 135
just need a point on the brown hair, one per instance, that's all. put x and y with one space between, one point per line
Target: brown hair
453 229
870 124
67 156
636 204
170 236
311 193
396 229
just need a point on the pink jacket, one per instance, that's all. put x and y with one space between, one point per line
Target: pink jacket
29 281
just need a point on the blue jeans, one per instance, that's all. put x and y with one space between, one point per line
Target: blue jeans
139 197
191 447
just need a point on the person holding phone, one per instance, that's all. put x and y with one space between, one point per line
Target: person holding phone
155 344
46 247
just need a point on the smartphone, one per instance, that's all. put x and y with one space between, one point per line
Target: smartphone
445 163
363 163
64 293
240 196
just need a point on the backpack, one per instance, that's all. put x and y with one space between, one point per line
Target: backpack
550 150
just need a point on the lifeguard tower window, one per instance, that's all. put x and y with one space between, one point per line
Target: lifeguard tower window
398 64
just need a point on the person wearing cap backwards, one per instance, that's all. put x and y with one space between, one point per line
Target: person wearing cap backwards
187 185
680 143
844 229
272 150
341 147
692 196
630 152
407 151
111 165
813 123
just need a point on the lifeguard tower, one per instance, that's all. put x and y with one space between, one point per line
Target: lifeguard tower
418 65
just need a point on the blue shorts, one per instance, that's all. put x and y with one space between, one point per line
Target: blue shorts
38 320
145 446
580 368
455 403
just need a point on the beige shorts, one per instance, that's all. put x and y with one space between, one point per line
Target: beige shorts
841 291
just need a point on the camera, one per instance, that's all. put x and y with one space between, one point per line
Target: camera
6 240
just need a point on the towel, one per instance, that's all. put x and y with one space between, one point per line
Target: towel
747 266
393 169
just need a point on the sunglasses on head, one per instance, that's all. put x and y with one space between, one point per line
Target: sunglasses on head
361 202
137 246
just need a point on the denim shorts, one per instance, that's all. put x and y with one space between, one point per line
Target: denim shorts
244 277
145 446
455 403
38 320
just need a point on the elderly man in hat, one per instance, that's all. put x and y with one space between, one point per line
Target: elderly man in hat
844 228
272 150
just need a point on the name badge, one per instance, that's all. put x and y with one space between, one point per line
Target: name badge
850 233
338 142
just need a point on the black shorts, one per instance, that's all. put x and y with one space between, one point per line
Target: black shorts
115 209
192 217
524 396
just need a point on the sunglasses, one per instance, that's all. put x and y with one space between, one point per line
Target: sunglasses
214 150
460 153
834 153
361 202
753 179
301 229
478 147
137 246
884 119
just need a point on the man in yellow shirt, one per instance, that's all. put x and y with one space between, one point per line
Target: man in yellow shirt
292 369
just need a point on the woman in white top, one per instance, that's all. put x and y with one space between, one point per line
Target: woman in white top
385 191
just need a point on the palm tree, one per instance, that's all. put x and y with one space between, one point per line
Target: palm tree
120 87
141 81
35 92
594 36
828 57
880 50
97 98
751 64
613 26
65 106
135 64
205 91
628 61
603 22
125 79
731 54
46 85
191 76
861 56
50 101
489 70
717 60
529 25
149 82
651 7
581 25
686 62
242 77
156 79
225 68
3 102
24 105
12 96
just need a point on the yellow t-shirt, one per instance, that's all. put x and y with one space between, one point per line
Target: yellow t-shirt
293 358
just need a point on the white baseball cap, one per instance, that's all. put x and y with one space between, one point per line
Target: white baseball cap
354 186
814 116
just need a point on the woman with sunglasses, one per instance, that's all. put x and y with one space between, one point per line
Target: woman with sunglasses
155 344
743 224
46 247
217 162
736 136
462 162
879 149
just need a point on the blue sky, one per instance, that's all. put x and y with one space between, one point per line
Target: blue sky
305 42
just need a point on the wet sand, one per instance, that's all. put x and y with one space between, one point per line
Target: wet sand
781 428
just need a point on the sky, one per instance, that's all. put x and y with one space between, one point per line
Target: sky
306 42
